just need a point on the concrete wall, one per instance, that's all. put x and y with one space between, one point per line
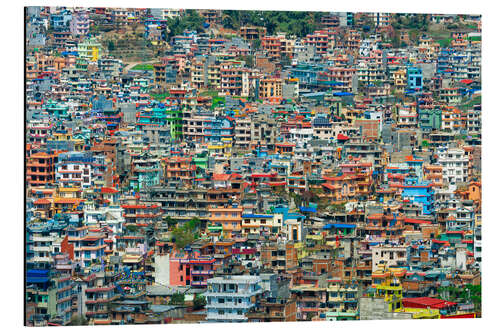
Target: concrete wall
162 270
377 309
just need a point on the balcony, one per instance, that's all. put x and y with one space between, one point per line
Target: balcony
226 317
199 283
202 272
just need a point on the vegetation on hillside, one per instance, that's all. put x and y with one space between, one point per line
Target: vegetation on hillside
143 67
292 23
186 234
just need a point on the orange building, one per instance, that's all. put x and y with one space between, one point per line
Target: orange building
385 226
347 186
40 169
434 173
228 217
179 168
272 45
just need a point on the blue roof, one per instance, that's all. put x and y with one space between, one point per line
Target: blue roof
344 225
295 215
342 93
36 279
338 225
256 216
308 209
314 94
37 272
37 276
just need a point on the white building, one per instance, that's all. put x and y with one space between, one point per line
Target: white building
455 164
74 169
230 298
301 136
391 255
477 246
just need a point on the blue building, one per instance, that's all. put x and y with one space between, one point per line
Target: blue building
218 129
415 78
60 22
443 61
420 193
306 73
230 298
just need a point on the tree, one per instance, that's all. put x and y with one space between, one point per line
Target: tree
132 228
111 45
77 320
249 60
170 222
186 234
177 299
256 44
199 302
194 224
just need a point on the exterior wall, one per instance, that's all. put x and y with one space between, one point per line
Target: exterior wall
162 269
376 309
230 299
392 256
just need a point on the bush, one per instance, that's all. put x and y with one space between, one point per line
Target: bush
177 299
199 302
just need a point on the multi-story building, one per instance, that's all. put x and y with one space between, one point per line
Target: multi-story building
80 23
41 169
392 256
342 301
270 88
251 33
75 169
229 217
420 193
455 166
230 298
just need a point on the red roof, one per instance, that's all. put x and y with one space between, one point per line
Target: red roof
221 177
425 302
456 232
329 186
466 81
341 136
108 190
42 202
441 242
408 220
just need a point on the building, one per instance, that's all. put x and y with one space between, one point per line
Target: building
231 298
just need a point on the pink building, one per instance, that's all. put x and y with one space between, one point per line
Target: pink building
191 270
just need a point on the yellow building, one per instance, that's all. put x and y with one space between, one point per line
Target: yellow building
387 285
90 49
269 88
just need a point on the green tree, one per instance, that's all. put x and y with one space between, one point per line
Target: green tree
77 320
132 228
256 44
186 234
177 299
199 302
193 224
170 222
